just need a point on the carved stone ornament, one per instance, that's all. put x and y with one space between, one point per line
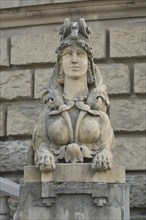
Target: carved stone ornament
74 126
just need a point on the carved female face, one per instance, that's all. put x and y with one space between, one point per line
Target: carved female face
74 62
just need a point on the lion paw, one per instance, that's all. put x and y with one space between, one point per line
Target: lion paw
103 160
44 160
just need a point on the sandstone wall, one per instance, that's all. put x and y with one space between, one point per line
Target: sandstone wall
27 58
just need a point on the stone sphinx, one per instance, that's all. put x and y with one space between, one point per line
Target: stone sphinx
74 126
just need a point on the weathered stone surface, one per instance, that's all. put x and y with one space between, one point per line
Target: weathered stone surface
2 121
116 78
12 206
41 80
16 84
73 201
130 152
34 49
15 155
17 178
67 173
4 54
32 174
98 43
137 190
21 119
36 213
136 216
34 189
140 78
127 42
128 115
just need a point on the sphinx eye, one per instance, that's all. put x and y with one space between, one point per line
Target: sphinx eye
67 52
80 52
99 98
51 100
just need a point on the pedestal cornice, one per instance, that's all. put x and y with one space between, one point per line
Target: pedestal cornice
75 173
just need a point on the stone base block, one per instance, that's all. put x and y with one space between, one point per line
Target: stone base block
74 192
78 172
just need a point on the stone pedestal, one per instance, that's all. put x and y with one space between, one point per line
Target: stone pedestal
74 192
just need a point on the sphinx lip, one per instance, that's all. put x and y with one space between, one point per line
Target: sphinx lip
75 67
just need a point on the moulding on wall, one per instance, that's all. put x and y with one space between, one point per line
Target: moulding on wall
55 13
21 3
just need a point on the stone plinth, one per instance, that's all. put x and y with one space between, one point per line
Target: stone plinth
74 192
77 172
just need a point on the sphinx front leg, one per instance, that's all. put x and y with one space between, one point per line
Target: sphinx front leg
102 160
44 159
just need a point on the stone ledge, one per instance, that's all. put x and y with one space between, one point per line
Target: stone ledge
23 3
75 173
90 10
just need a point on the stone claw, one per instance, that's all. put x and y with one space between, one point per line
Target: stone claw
44 160
102 160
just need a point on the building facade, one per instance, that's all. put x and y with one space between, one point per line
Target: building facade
29 37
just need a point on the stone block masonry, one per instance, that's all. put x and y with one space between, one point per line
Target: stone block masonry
21 119
41 81
128 114
127 42
99 49
33 49
41 49
16 84
4 52
131 149
26 62
116 77
140 78
2 122
15 155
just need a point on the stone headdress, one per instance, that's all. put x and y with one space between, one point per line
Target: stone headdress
77 32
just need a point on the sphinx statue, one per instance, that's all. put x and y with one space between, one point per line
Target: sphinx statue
74 126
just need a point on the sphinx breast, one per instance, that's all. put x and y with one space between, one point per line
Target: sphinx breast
89 130
57 130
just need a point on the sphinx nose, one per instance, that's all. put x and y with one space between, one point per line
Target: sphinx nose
74 57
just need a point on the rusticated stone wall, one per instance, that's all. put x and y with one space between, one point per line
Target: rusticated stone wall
28 57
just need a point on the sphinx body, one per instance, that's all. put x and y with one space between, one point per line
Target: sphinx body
74 126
